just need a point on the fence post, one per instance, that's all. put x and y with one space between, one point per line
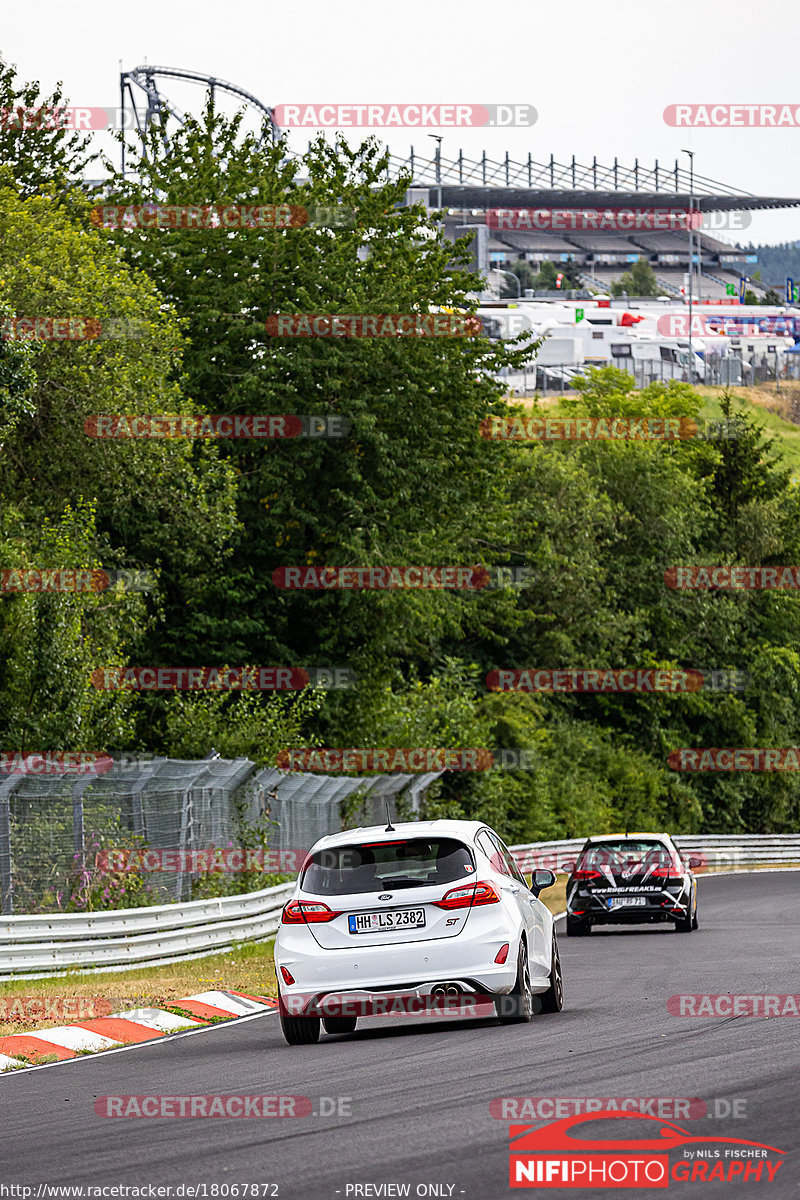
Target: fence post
6 865
185 837
137 809
78 832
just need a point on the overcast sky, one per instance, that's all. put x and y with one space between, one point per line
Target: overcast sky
599 72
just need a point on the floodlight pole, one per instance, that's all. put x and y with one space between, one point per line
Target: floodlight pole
438 139
691 251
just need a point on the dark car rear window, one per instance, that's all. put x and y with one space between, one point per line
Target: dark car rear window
376 866
625 854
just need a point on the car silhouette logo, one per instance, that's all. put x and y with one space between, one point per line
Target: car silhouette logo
386 896
556 1135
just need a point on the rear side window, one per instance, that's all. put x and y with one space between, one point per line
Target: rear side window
492 851
387 866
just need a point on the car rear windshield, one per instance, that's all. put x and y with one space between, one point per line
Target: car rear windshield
378 866
625 855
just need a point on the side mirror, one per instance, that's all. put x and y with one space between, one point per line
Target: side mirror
568 866
695 862
541 879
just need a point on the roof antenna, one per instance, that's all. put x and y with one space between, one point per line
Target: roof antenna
389 826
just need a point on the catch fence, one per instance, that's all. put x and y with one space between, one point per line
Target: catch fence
728 371
53 827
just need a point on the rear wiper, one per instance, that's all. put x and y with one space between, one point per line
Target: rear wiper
404 881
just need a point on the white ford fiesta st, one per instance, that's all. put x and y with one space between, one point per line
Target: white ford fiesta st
425 910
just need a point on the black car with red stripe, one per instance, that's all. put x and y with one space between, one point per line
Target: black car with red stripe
631 879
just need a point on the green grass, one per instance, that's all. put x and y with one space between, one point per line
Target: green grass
771 408
755 401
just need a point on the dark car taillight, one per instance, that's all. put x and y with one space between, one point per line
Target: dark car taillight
586 876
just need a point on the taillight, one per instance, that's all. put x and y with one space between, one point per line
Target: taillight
306 912
502 954
584 876
468 896
287 976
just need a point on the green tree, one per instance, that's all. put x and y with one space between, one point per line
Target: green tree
407 486
50 643
156 498
36 154
640 280
524 273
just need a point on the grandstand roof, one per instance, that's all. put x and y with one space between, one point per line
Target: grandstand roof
480 197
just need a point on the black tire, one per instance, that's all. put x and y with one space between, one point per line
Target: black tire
576 928
299 1031
553 999
517 1007
684 924
340 1024
694 920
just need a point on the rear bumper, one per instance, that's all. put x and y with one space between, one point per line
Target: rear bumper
594 912
410 969
634 917
396 1001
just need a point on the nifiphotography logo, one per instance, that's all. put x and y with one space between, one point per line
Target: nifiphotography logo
552 1156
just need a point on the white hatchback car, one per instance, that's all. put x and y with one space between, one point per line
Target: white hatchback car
424 909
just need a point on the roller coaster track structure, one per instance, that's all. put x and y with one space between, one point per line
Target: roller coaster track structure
146 79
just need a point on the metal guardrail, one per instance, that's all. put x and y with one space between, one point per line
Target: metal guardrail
718 851
36 946
145 937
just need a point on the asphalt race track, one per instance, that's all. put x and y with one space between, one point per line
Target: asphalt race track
420 1088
